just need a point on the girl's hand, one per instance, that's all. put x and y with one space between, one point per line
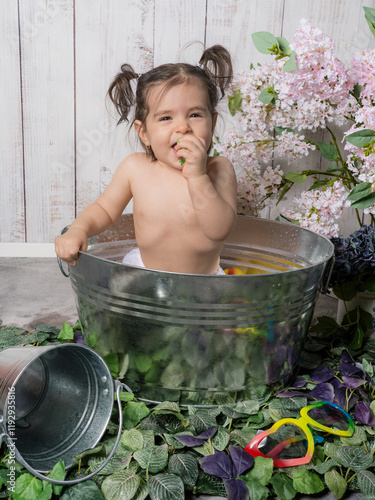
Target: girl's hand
192 154
69 244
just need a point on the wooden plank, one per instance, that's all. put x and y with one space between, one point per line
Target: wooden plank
12 213
108 34
184 22
231 24
46 29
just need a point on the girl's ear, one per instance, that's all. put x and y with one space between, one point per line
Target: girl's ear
141 131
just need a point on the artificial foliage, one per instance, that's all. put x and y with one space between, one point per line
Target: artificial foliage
170 452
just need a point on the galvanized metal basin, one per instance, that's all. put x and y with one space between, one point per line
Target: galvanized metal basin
201 339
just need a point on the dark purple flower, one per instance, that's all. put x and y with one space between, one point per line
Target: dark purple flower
289 394
322 374
299 382
241 460
349 369
323 392
220 465
236 489
363 414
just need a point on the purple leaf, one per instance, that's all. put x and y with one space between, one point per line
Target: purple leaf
336 383
344 399
352 383
241 460
363 414
219 465
78 338
288 394
209 433
349 369
323 392
236 489
189 440
298 382
346 357
322 374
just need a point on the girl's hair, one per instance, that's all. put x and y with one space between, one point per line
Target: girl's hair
214 72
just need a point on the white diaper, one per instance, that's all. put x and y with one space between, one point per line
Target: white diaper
133 258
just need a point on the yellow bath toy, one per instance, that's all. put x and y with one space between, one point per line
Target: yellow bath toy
233 271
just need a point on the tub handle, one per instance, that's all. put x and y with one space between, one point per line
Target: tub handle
6 438
61 266
327 275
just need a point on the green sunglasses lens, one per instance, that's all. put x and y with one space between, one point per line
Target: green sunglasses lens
330 416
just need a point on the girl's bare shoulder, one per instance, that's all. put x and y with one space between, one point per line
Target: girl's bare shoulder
219 164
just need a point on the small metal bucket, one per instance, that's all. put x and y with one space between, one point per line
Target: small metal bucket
198 339
55 402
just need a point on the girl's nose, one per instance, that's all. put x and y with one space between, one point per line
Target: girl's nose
182 127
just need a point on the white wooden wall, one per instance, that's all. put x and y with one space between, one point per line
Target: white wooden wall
59 145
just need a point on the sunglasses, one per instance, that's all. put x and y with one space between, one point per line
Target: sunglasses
290 442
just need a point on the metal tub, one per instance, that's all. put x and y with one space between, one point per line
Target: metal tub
200 339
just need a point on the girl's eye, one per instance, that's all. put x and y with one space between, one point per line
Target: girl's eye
196 115
165 118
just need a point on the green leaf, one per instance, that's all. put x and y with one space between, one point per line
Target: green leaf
334 168
307 482
357 340
336 483
354 457
132 439
359 191
291 64
326 466
268 95
264 41
318 184
262 470
283 45
367 283
28 487
154 458
235 102
221 439
112 361
83 491
184 465
119 461
202 420
283 486
366 483
133 414
67 332
280 130
370 17
58 472
248 407
365 202
295 177
346 291
167 405
358 437
328 150
210 485
325 325
256 490
166 487
143 362
361 138
122 485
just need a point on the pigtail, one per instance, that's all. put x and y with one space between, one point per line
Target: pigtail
217 63
121 93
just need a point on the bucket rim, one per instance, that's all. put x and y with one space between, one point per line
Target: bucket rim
323 260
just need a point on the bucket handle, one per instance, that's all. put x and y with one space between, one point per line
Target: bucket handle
327 275
5 437
60 263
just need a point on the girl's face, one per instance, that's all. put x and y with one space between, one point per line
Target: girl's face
180 110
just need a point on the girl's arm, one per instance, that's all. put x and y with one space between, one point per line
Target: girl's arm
98 216
214 196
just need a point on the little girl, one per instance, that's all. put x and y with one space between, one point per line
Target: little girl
184 201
